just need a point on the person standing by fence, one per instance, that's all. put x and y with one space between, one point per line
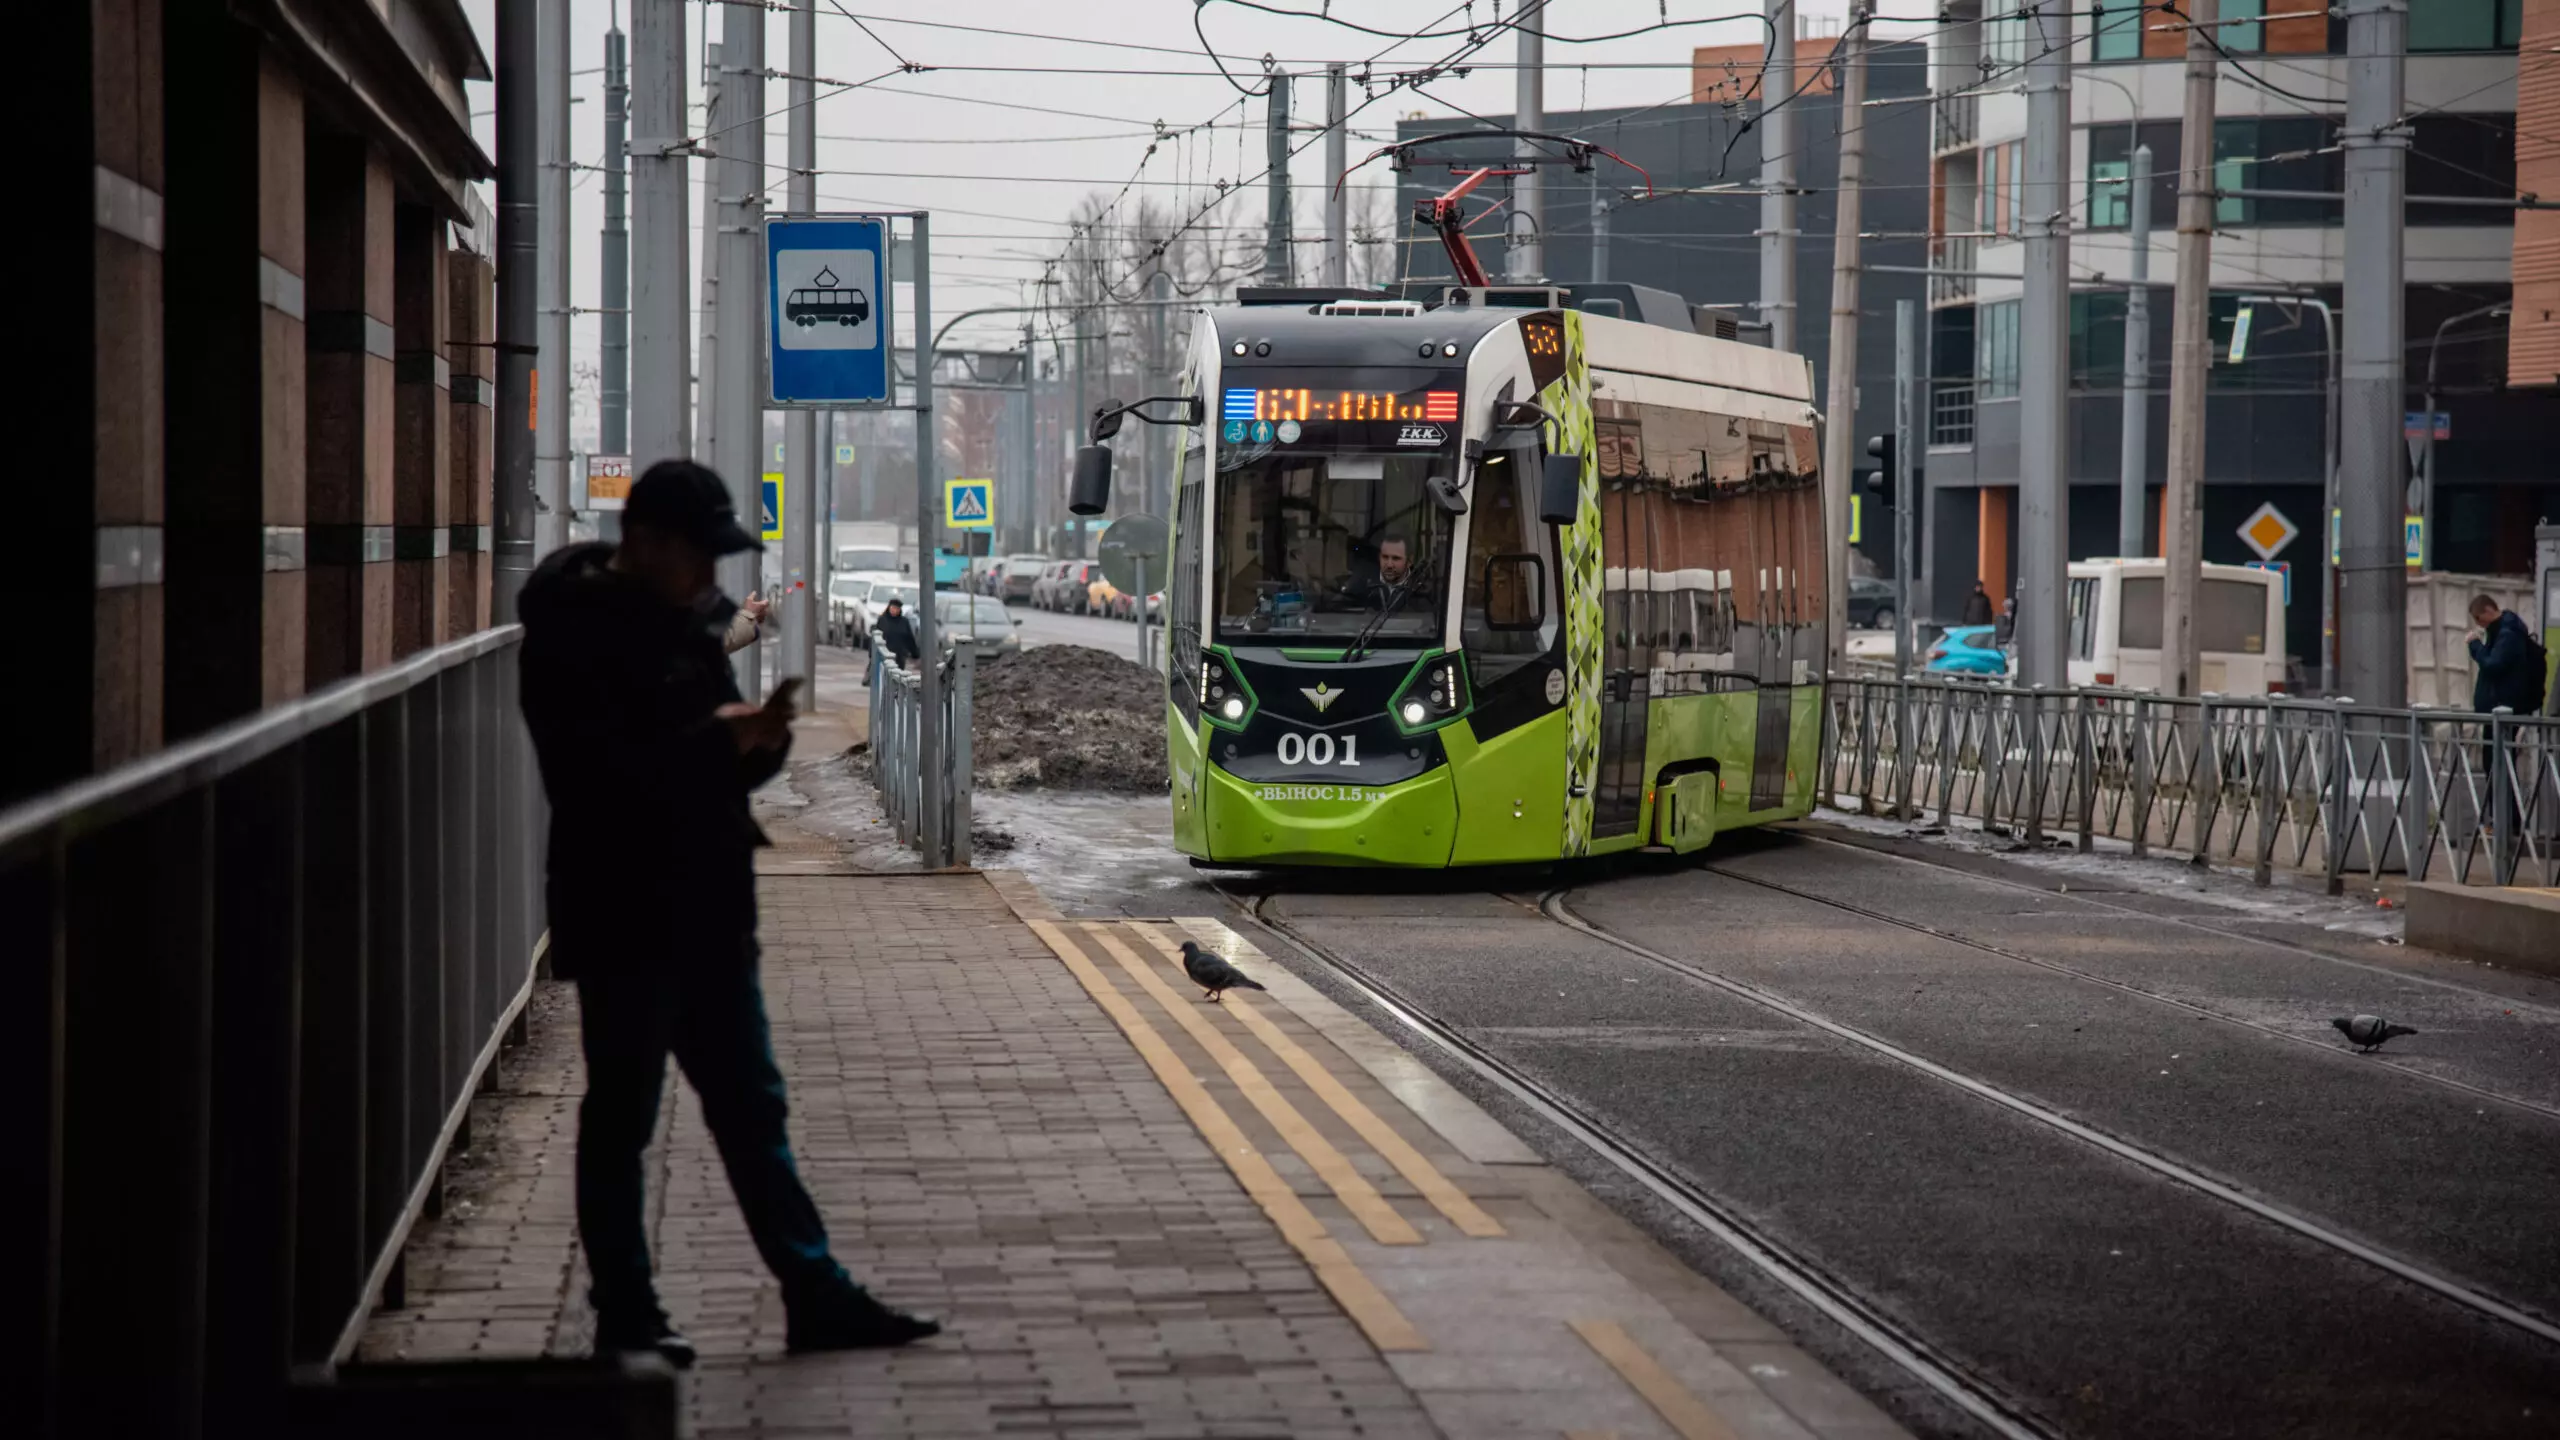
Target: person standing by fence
648 754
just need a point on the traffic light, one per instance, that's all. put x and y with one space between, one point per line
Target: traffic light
1879 481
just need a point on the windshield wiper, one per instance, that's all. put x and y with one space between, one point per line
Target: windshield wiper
1386 612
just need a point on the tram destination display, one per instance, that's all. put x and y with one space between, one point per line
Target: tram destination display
1326 408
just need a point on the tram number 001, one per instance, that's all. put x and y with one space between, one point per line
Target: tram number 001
1318 749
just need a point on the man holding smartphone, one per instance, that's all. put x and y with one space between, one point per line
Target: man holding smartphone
648 754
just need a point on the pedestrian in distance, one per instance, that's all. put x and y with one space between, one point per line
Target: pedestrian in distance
1977 606
2005 629
648 754
2510 660
897 632
747 626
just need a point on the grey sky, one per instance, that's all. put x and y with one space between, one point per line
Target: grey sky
1002 180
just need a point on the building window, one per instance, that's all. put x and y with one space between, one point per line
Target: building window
1995 351
2004 34
2119 30
2111 167
2242 31
2097 339
2466 24
2017 188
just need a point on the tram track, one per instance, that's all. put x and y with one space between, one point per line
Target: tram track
1793 1270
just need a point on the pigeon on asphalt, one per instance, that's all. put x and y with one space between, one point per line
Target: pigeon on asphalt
2369 1031
1211 973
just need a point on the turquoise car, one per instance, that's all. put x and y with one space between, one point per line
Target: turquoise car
1968 650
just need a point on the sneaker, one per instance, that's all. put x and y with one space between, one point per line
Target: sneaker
850 1319
643 1330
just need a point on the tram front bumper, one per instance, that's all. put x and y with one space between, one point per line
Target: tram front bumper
1411 823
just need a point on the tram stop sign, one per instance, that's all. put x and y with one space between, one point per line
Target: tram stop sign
1130 540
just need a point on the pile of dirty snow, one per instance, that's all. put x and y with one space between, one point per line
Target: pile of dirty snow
1066 717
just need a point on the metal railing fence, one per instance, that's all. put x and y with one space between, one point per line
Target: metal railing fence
255 980
2328 788
897 718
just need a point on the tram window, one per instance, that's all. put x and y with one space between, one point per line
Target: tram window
1515 592
1323 544
1505 621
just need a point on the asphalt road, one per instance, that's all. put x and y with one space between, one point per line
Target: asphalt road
2100 1295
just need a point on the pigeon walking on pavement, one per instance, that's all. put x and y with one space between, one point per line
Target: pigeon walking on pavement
2367 1032
1212 973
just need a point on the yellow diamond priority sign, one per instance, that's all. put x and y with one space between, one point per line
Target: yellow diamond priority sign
2267 531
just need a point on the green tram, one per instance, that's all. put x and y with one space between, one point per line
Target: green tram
1490 581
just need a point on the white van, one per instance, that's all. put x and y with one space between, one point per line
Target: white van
2116 626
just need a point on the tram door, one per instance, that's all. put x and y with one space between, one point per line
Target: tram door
1626 658
1780 584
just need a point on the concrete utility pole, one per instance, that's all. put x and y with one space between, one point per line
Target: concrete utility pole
2190 356
1035 499
1337 196
1778 132
706 436
552 388
661 348
2044 354
2135 452
938 846
1077 418
1160 290
1524 260
613 260
519 268
1840 408
1275 224
2373 601
800 598
1906 497
1600 208
740 132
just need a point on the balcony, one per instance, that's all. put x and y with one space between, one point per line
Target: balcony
1956 255
1956 119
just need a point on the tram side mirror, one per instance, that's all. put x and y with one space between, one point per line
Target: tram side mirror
1559 490
1090 492
1106 423
1446 494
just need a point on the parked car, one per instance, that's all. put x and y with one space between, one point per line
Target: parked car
982 619
1062 586
1108 601
1966 650
1870 603
1016 575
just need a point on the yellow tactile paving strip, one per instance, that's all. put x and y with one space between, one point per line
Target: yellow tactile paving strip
1448 1199
1351 1287
1681 1410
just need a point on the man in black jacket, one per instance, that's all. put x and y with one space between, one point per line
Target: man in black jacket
648 754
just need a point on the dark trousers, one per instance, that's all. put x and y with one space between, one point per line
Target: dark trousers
712 1019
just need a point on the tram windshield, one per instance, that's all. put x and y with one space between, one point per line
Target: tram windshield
1328 546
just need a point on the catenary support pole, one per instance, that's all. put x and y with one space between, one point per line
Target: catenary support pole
928 624
2044 353
1524 260
613 258
1158 382
519 267
2134 456
706 390
1035 502
1840 407
1275 222
743 457
661 348
2190 357
801 599
1600 208
2372 491
1337 195
1906 444
1778 131
1077 418
552 387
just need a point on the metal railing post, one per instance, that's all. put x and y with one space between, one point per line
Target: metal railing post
1906 751
960 749
2266 802
2502 825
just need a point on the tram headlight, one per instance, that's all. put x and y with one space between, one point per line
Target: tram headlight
1436 693
1226 699
1234 708
1414 714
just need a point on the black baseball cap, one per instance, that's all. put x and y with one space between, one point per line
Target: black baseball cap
680 497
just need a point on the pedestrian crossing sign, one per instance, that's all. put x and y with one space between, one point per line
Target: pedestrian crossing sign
969 504
772 506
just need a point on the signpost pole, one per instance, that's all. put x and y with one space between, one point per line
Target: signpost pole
1142 611
928 493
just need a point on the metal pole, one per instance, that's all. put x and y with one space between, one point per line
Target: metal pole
1525 261
1337 196
1906 377
2044 355
1600 208
800 603
1076 421
2190 356
552 385
2134 479
1275 223
741 239
2328 503
1840 413
1035 503
928 498
2372 621
661 351
519 269
613 260
706 390
1778 180
1159 289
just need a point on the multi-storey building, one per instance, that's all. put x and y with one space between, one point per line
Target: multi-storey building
2280 100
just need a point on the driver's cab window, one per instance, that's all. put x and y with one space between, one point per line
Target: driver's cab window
1508 617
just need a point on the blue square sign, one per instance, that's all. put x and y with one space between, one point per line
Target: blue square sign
826 310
